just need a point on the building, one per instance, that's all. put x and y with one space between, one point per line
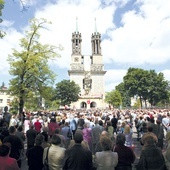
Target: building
5 98
88 72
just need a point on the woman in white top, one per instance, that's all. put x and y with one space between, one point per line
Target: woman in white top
106 159
128 135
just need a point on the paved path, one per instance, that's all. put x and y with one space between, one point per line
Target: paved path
137 149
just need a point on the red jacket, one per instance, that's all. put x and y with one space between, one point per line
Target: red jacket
8 163
52 126
37 126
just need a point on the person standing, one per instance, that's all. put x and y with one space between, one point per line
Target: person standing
6 162
6 115
109 128
95 132
166 121
26 124
4 132
64 131
52 126
160 134
73 125
13 121
20 133
126 155
55 154
139 126
151 156
106 159
80 122
98 145
16 144
57 132
31 135
128 135
35 154
37 126
77 157
166 154
114 123
87 135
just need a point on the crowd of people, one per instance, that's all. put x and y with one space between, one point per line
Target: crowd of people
100 139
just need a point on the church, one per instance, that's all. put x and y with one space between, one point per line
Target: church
88 72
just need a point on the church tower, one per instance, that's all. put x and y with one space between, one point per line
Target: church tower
88 72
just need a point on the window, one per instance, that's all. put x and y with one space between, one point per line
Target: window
8 100
1 100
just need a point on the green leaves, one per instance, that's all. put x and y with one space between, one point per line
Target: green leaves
114 98
67 91
29 67
2 33
147 85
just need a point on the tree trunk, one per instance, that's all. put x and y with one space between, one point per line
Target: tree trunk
145 104
140 102
21 105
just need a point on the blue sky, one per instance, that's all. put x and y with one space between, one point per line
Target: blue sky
135 33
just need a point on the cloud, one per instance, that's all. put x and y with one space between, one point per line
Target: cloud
6 23
64 24
11 40
166 74
113 78
142 38
28 3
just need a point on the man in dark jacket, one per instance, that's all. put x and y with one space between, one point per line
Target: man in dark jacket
16 144
77 157
114 123
31 135
95 133
151 156
35 154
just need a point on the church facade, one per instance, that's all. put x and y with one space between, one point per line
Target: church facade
88 72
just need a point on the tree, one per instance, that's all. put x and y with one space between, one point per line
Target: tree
158 88
147 85
114 98
14 106
137 104
50 98
29 66
2 33
136 83
67 92
126 99
24 6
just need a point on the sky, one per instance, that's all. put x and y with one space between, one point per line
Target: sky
135 33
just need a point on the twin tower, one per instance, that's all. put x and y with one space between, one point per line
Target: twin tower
88 72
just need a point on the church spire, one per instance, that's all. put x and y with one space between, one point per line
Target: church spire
95 28
76 24
76 40
96 40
